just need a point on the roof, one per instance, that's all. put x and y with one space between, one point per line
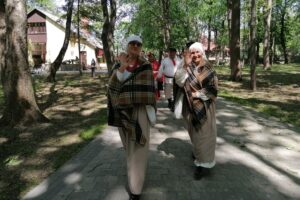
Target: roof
62 22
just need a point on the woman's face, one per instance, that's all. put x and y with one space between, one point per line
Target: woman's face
196 55
134 48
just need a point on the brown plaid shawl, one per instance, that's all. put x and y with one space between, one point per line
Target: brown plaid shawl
137 89
201 78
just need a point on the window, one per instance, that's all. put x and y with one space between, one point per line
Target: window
36 27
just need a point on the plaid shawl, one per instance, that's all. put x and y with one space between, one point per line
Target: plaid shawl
201 78
137 89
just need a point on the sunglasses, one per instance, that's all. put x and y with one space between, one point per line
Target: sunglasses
135 43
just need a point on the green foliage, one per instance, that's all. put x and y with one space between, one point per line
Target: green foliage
47 4
148 23
188 20
294 42
92 10
288 10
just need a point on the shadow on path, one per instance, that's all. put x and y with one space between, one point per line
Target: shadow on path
252 163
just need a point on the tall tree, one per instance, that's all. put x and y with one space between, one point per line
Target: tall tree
253 45
283 16
20 104
294 25
78 35
2 36
267 26
56 64
107 35
165 4
229 18
236 71
209 37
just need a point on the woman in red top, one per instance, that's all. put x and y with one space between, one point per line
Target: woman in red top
155 68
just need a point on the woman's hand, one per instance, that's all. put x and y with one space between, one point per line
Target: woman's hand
187 58
123 61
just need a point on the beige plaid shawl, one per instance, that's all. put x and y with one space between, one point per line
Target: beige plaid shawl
137 89
201 78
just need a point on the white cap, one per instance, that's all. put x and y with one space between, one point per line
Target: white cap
134 38
198 46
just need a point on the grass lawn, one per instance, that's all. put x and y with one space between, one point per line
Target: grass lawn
277 94
77 109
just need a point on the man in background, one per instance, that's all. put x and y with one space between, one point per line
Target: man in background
168 68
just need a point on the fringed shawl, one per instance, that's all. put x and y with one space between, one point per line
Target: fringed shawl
201 78
137 89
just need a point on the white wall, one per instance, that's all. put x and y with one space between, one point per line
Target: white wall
90 53
55 39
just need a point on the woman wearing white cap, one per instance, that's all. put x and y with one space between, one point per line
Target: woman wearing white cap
132 106
196 103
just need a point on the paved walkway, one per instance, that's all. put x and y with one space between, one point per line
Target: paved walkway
257 158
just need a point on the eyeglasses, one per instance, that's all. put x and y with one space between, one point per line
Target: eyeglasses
135 43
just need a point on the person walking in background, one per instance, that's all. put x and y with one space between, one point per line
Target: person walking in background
93 67
143 55
132 108
196 103
155 68
168 68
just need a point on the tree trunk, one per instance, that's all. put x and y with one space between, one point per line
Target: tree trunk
257 52
282 34
20 104
78 36
56 64
167 24
236 71
218 47
2 38
223 53
208 38
245 43
252 45
267 25
272 47
107 35
229 17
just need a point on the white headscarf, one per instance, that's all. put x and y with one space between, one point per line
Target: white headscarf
198 46
130 39
134 38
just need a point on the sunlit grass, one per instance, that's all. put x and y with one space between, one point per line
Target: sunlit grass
90 132
13 160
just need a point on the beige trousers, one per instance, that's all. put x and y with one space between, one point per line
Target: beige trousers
137 155
204 139
168 87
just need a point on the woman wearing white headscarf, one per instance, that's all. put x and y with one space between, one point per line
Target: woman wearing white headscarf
132 105
196 104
